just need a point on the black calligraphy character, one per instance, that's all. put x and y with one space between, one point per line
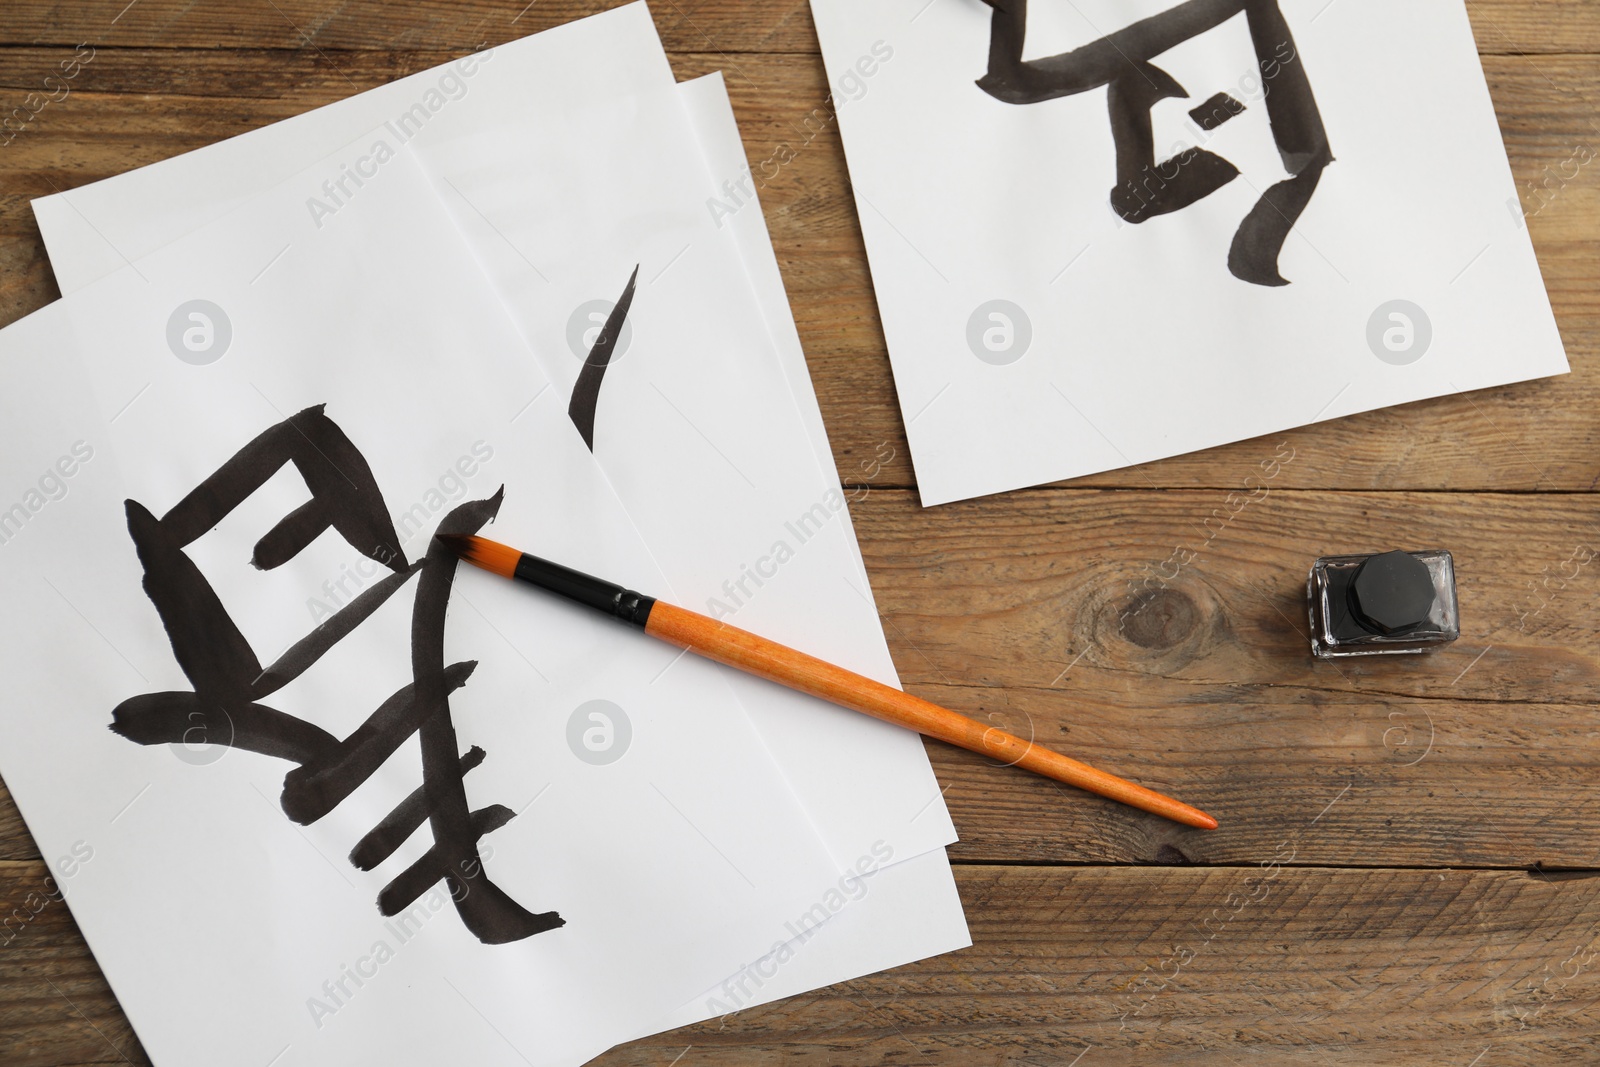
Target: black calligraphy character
230 682
1121 62
586 391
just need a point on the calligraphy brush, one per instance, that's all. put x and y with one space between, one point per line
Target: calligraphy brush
777 663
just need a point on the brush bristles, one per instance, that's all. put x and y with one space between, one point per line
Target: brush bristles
481 552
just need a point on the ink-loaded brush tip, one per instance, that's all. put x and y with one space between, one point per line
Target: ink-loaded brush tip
481 552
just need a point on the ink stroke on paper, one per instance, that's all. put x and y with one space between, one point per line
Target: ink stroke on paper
1049 191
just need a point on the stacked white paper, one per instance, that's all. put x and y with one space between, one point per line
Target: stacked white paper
350 329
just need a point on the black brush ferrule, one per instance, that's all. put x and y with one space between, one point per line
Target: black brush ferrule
614 600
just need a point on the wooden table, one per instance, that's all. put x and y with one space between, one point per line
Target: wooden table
1407 869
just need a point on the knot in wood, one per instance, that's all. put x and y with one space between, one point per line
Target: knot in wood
1160 619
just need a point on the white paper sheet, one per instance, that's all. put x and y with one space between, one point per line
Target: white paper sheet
730 493
1036 334
858 778
699 340
99 227
894 916
906 911
665 864
855 774
830 615
711 115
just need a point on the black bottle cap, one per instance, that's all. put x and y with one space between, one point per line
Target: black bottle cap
1392 594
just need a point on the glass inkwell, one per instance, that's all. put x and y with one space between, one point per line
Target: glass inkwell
1396 602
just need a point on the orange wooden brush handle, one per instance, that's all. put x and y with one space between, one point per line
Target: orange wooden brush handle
767 659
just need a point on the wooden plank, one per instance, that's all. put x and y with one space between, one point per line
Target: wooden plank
15 841
731 26
159 103
1146 966
1402 784
1162 635
370 25
26 282
55 1006
1197 598
1167 967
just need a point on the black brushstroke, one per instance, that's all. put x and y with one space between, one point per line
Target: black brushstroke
213 653
586 391
344 494
492 916
1143 191
171 718
1121 62
303 654
229 681
1216 111
414 881
382 840
317 787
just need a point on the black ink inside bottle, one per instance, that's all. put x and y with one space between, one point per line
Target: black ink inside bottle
1396 602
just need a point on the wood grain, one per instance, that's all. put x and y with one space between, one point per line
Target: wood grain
727 26
1298 965
15 841
1162 635
1183 966
1197 597
1142 620
55 1006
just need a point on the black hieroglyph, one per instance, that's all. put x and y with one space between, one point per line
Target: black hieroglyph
230 683
1121 62
586 391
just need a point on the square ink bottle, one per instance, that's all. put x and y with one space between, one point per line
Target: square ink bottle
1396 602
